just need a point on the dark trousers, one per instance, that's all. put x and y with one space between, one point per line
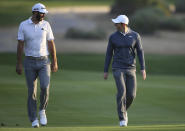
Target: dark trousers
126 90
37 68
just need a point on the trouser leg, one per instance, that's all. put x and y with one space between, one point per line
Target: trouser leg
31 79
44 76
131 87
121 93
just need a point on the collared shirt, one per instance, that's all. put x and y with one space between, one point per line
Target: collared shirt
35 37
123 49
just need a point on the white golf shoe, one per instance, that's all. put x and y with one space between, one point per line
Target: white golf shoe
123 123
35 124
43 118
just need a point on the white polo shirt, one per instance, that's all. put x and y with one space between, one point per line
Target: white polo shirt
35 37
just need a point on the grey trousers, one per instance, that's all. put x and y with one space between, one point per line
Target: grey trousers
37 68
126 90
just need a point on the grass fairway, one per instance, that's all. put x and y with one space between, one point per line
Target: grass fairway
80 100
105 128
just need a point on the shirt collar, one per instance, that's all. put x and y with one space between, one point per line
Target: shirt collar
30 21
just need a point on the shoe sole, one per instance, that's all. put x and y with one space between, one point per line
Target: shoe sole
124 126
35 126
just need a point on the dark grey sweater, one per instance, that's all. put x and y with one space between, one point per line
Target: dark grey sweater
123 49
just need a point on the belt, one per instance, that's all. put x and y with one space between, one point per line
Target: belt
37 58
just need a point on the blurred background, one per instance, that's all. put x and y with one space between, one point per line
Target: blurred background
74 22
81 28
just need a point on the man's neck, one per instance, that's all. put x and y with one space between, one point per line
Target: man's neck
124 30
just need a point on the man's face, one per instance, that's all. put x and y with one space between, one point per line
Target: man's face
39 16
119 26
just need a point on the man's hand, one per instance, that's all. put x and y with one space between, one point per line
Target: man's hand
52 50
19 69
105 75
143 72
54 67
20 47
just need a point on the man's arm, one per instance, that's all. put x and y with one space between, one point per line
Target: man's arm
20 47
108 58
52 50
141 58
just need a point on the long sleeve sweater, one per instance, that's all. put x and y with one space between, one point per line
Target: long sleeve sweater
123 49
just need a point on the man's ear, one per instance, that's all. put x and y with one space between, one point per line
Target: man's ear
125 25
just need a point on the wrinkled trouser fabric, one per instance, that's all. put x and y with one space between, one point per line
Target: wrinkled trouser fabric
126 90
37 68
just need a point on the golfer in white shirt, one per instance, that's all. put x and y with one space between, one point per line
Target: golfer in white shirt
36 38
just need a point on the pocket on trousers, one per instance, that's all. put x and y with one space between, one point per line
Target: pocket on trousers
46 61
27 63
116 72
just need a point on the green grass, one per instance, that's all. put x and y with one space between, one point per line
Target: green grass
12 12
110 128
155 64
80 100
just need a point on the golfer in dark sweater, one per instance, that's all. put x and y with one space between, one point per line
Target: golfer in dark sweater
123 46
